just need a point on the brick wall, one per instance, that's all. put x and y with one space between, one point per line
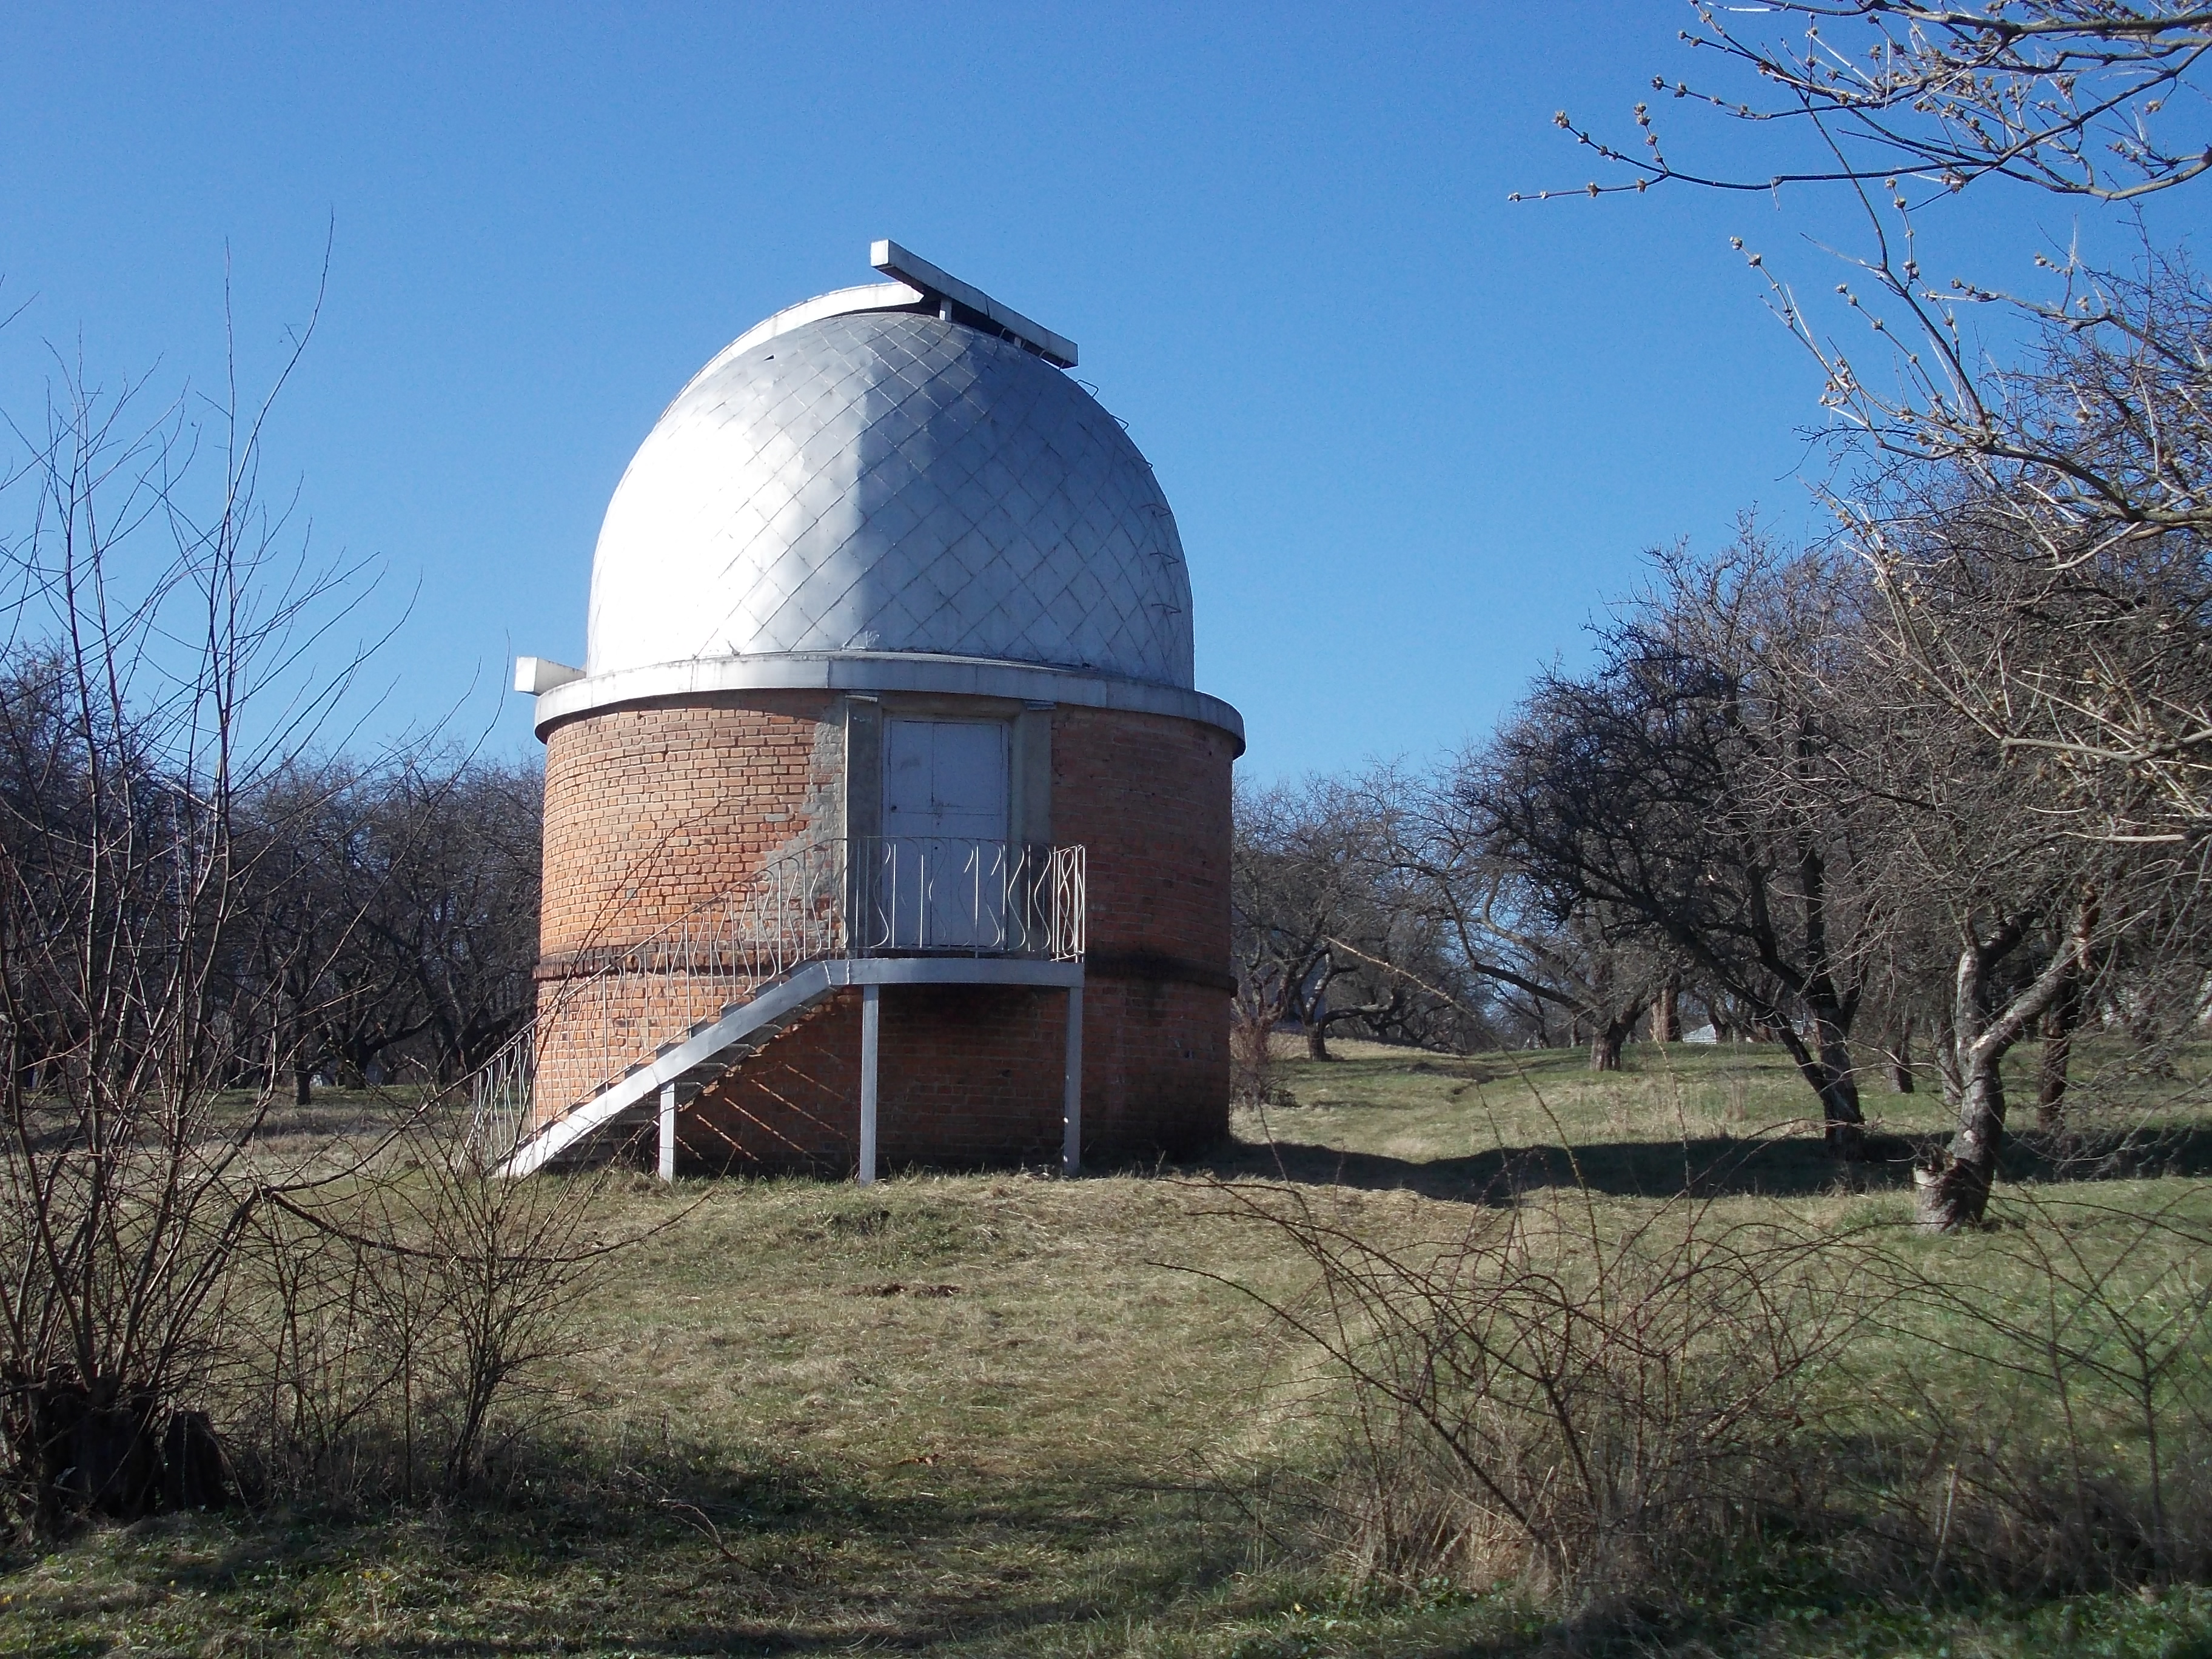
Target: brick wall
1148 796
651 812
966 1075
1155 1068
794 1109
592 1027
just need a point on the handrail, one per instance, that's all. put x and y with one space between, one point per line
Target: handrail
833 898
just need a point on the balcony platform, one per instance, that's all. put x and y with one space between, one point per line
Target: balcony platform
946 967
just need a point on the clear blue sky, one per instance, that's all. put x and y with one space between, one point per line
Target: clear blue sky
1414 435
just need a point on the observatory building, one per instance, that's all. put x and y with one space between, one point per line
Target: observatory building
884 823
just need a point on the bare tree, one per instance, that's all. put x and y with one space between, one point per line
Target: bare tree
2019 907
1312 873
1696 791
396 920
1505 935
2044 568
2077 636
456 899
2035 531
2069 96
146 617
188 899
2024 919
308 979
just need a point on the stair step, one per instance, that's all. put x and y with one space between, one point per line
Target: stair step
643 1110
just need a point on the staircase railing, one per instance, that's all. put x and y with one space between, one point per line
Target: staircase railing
616 1005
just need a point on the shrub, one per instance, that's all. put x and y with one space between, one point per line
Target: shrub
1607 1405
1558 1397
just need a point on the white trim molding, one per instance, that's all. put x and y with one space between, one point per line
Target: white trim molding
875 672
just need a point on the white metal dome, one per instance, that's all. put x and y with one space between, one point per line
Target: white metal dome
873 480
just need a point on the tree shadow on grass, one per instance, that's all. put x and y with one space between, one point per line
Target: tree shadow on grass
1713 1166
688 1555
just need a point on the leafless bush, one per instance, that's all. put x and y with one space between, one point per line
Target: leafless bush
156 634
184 1297
1608 1407
2065 1424
1558 1394
1251 1060
403 1326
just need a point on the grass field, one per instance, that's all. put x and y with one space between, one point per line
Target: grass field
1005 1413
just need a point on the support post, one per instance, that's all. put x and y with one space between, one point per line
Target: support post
668 1131
872 1009
1071 1120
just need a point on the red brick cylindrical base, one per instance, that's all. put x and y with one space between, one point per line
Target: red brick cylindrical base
652 812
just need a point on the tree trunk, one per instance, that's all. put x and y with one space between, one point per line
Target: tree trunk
1954 1191
303 1086
2057 1055
1251 1064
1666 1017
97 1451
1608 1039
1829 1071
193 1472
1947 1057
1953 1187
1840 1090
1317 1041
1901 1057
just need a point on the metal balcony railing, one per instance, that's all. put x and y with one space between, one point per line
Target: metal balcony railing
935 895
620 1004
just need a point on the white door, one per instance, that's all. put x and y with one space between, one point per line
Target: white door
942 881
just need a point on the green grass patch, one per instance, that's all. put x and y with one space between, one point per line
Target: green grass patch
999 1415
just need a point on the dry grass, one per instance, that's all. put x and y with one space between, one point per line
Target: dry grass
998 1414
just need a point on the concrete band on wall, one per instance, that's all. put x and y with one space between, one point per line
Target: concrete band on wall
880 671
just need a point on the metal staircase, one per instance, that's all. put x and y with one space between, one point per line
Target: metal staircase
630 1033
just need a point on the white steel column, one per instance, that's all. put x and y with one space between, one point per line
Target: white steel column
1070 1121
871 1023
668 1131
